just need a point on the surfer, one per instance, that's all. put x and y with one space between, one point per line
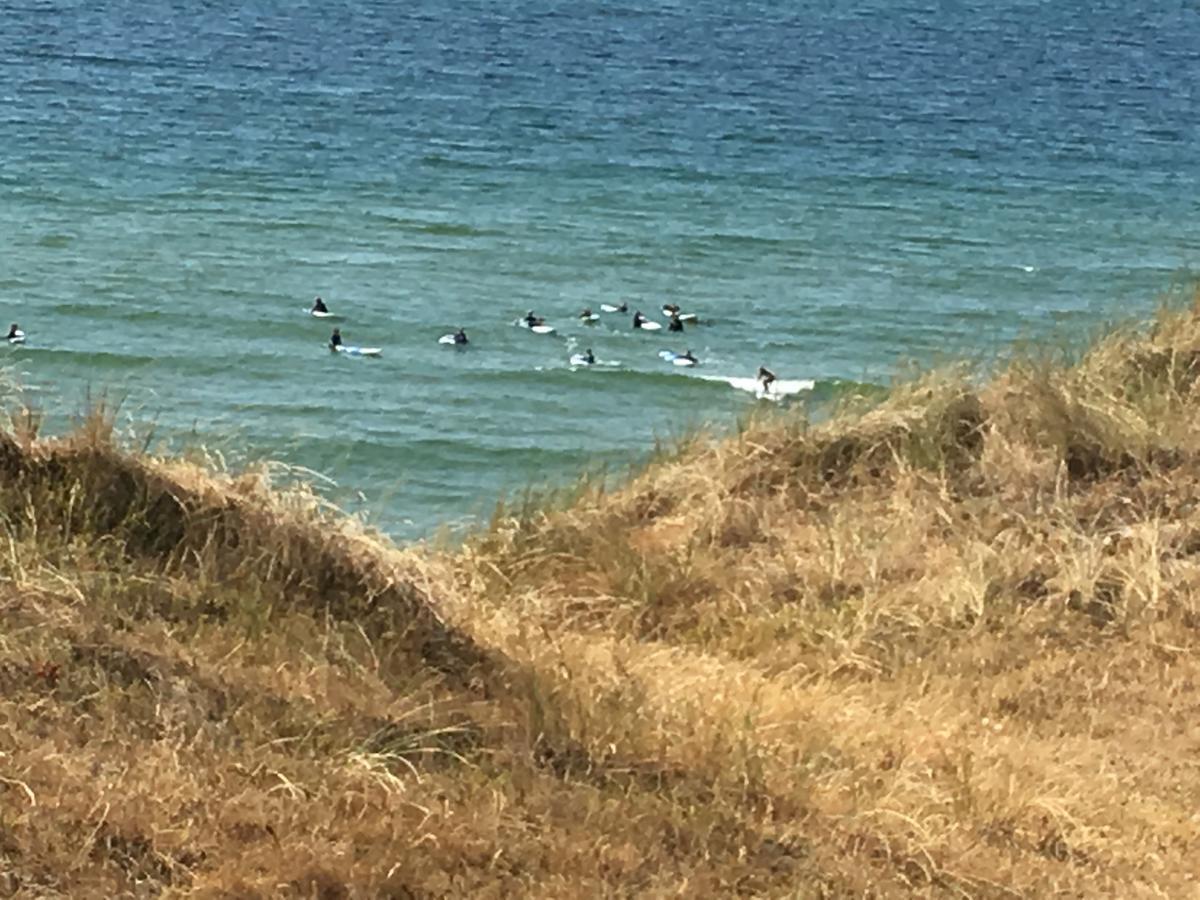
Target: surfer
676 323
638 319
335 339
14 332
586 314
531 320
765 377
588 357
671 309
319 306
688 355
460 337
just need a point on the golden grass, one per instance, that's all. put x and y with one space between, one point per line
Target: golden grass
945 646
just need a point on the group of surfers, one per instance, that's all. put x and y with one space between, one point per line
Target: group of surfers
765 376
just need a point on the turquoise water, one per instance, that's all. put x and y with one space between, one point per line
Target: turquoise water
834 187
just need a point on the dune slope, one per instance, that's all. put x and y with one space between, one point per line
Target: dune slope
943 647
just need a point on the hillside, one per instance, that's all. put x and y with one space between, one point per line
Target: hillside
944 646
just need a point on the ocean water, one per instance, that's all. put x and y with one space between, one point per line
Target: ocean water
834 187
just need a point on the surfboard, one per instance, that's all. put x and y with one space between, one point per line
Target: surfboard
580 360
610 308
17 339
678 359
317 314
650 326
589 319
779 388
360 351
449 339
683 317
536 329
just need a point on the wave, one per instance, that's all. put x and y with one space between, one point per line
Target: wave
779 389
93 358
452 229
440 161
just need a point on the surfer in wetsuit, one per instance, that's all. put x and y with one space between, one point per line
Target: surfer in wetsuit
688 355
765 377
335 339
638 319
14 331
531 320
460 337
676 323
586 315
671 309
319 306
588 357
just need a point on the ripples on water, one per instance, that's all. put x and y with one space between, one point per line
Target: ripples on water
837 187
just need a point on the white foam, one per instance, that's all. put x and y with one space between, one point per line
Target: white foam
780 387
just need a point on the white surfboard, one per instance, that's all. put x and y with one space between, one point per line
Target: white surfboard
317 314
536 329
676 358
580 360
449 339
779 388
589 319
610 308
683 317
18 338
360 351
650 326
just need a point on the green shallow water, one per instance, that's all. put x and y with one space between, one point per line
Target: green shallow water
834 190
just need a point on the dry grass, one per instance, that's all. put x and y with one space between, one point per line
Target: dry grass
943 647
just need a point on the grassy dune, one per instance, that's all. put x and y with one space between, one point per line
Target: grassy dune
943 647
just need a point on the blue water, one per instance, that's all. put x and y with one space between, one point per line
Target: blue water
834 187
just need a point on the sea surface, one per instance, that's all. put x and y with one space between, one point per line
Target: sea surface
835 188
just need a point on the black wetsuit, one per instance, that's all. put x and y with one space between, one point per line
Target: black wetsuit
460 337
676 323
319 306
335 340
589 358
13 332
766 376
638 319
